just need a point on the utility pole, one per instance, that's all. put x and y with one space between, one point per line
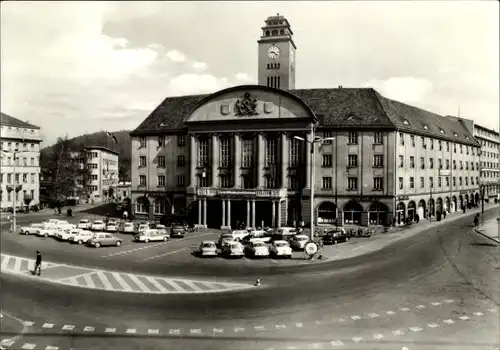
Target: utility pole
15 187
482 204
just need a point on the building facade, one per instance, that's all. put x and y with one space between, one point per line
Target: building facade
103 165
237 155
20 163
488 161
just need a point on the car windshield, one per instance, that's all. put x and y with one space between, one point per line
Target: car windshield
208 245
280 244
178 227
129 225
259 244
235 246
97 222
83 221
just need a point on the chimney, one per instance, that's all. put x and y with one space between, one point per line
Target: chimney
340 86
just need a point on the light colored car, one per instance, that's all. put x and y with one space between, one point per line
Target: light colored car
257 249
238 235
81 237
298 242
31 229
162 228
151 235
112 226
127 227
84 224
66 234
98 225
286 232
48 231
281 249
207 248
177 231
142 227
225 237
233 249
102 239
261 235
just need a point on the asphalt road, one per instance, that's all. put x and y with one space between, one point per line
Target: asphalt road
435 290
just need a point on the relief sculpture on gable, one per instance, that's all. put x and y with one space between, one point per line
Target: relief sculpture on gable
246 106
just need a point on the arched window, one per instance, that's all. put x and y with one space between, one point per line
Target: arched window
327 213
141 205
352 213
282 32
159 206
378 214
267 33
274 32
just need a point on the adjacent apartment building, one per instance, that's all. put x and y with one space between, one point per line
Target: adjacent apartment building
238 155
20 167
103 166
489 161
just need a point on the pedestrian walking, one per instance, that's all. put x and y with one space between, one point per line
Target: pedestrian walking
38 264
444 214
125 215
476 220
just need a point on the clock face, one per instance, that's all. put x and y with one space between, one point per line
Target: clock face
273 52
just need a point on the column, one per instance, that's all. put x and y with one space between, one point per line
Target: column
204 211
273 222
278 224
248 213
215 160
284 159
199 211
253 213
223 212
193 160
261 159
308 163
229 213
237 160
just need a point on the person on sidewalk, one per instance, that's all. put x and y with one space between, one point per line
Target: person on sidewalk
444 214
38 264
476 220
417 218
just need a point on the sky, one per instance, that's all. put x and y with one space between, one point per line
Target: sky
79 67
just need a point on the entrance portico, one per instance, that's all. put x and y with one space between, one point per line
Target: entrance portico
225 207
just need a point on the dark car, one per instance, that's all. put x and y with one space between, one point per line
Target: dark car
335 236
178 231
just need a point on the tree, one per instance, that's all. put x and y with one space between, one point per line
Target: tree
61 167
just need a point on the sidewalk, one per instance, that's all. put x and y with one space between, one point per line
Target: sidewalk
45 212
490 229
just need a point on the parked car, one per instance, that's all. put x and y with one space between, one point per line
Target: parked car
225 237
81 237
48 231
151 235
112 226
177 231
335 236
162 228
257 249
286 232
238 235
232 249
126 227
142 227
261 236
98 225
84 224
207 248
104 239
281 249
298 242
66 234
30 230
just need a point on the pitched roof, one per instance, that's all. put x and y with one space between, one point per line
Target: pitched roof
11 121
336 108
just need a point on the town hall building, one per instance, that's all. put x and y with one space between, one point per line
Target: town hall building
239 155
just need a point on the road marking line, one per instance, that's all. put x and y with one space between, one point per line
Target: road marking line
192 285
138 282
357 339
337 343
89 329
110 330
155 283
420 306
28 323
48 325
165 254
131 331
17 265
88 280
492 310
173 285
415 329
195 331
218 330
121 281
68 327
299 325
318 322
28 346
153 331
174 331
378 336
390 312
104 280
449 321
279 326
5 262
7 342
398 332
436 303
239 329
478 314
449 301
356 317
373 315
404 309
260 328
50 347
464 318
316 346
433 325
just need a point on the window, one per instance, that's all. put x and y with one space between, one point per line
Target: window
471 180
401 162
17 179
142 161
270 181
247 153
352 160
293 183
461 149
326 135
33 178
454 165
440 145
159 206
271 153
9 178
32 194
378 161
454 181
352 183
400 182
466 165
353 138
378 138
225 181
447 146
422 163
439 181
454 148
412 162
180 180
32 161
467 150
161 180
431 182
440 162
181 140
472 165
327 160
447 181
142 142
422 182
202 181
460 181
401 139
181 160
378 183
461 165
423 143
225 152
32 146
431 163
466 181
161 141
295 152
447 164
412 140
161 161
25 178
327 183
142 180
412 182
25 162
203 153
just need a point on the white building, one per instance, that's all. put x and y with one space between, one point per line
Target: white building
489 160
24 138
103 165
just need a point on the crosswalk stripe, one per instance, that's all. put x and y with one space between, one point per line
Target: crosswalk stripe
131 331
104 280
110 330
138 282
88 280
48 325
50 347
121 281
25 265
155 283
172 284
17 265
28 346
5 262
192 285
153 331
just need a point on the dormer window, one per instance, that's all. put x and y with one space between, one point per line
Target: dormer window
456 135
406 122
426 127
441 131
162 124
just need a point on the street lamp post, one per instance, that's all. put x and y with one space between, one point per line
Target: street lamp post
312 142
482 204
15 186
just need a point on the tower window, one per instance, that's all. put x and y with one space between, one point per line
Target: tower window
267 33
282 32
274 32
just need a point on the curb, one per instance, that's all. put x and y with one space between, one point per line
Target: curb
486 236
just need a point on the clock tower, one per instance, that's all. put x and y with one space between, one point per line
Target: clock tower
277 54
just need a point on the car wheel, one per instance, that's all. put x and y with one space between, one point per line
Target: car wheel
118 243
80 241
165 239
97 245
146 240
46 235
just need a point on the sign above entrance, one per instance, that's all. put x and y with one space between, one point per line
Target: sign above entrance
247 106
236 192
444 172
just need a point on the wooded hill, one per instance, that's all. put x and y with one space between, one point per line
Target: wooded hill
103 140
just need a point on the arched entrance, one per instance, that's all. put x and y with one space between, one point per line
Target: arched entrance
439 205
411 210
378 214
178 207
327 213
400 213
352 213
466 200
477 198
447 204
142 205
421 209
454 203
431 206
460 202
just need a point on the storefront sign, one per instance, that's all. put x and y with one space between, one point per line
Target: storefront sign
444 172
403 198
212 192
365 199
